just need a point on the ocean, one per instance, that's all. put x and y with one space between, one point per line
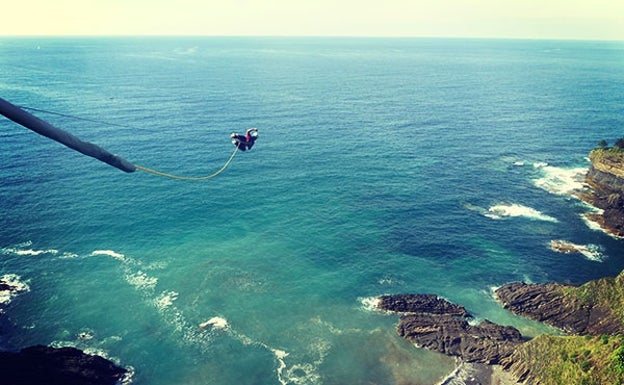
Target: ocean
383 166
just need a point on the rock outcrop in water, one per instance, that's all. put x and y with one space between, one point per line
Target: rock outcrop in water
421 303
51 366
436 324
606 177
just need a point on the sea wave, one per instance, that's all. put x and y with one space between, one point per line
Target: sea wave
561 181
571 182
215 323
109 253
87 342
140 280
165 299
591 252
370 303
501 211
23 249
15 286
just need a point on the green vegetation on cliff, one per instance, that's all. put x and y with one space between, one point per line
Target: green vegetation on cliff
562 360
607 293
586 360
611 152
619 144
606 178
609 159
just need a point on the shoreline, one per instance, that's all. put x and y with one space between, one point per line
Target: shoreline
591 310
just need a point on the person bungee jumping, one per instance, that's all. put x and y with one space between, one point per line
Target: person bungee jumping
245 142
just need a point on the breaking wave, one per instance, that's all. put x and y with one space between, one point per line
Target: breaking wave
515 210
561 181
591 252
14 284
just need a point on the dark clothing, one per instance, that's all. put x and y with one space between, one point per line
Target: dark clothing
244 142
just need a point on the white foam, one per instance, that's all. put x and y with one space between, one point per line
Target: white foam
215 323
128 377
142 281
593 225
280 355
462 374
370 303
35 252
109 253
66 255
562 181
16 284
301 374
165 299
591 252
22 250
515 210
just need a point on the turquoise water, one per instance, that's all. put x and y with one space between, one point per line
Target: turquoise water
383 166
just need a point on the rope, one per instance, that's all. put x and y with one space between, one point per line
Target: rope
75 117
166 175
146 169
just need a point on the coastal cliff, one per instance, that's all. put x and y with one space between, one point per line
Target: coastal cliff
591 309
592 315
606 178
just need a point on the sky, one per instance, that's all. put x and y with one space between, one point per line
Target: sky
530 19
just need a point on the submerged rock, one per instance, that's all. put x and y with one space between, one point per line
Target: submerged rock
51 366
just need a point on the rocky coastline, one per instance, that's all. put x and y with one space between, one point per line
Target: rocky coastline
560 306
593 310
434 323
606 179
47 365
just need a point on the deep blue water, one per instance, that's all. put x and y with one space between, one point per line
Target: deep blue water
383 166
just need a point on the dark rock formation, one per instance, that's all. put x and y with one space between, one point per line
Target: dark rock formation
5 286
550 304
42 365
50 366
439 325
485 343
421 303
606 177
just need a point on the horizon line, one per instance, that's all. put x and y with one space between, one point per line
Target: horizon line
56 36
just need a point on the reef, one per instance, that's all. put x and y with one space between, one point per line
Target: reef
52 366
606 178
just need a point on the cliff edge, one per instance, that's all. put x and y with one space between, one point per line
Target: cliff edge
606 178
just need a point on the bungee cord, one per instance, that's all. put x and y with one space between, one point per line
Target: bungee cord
20 116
